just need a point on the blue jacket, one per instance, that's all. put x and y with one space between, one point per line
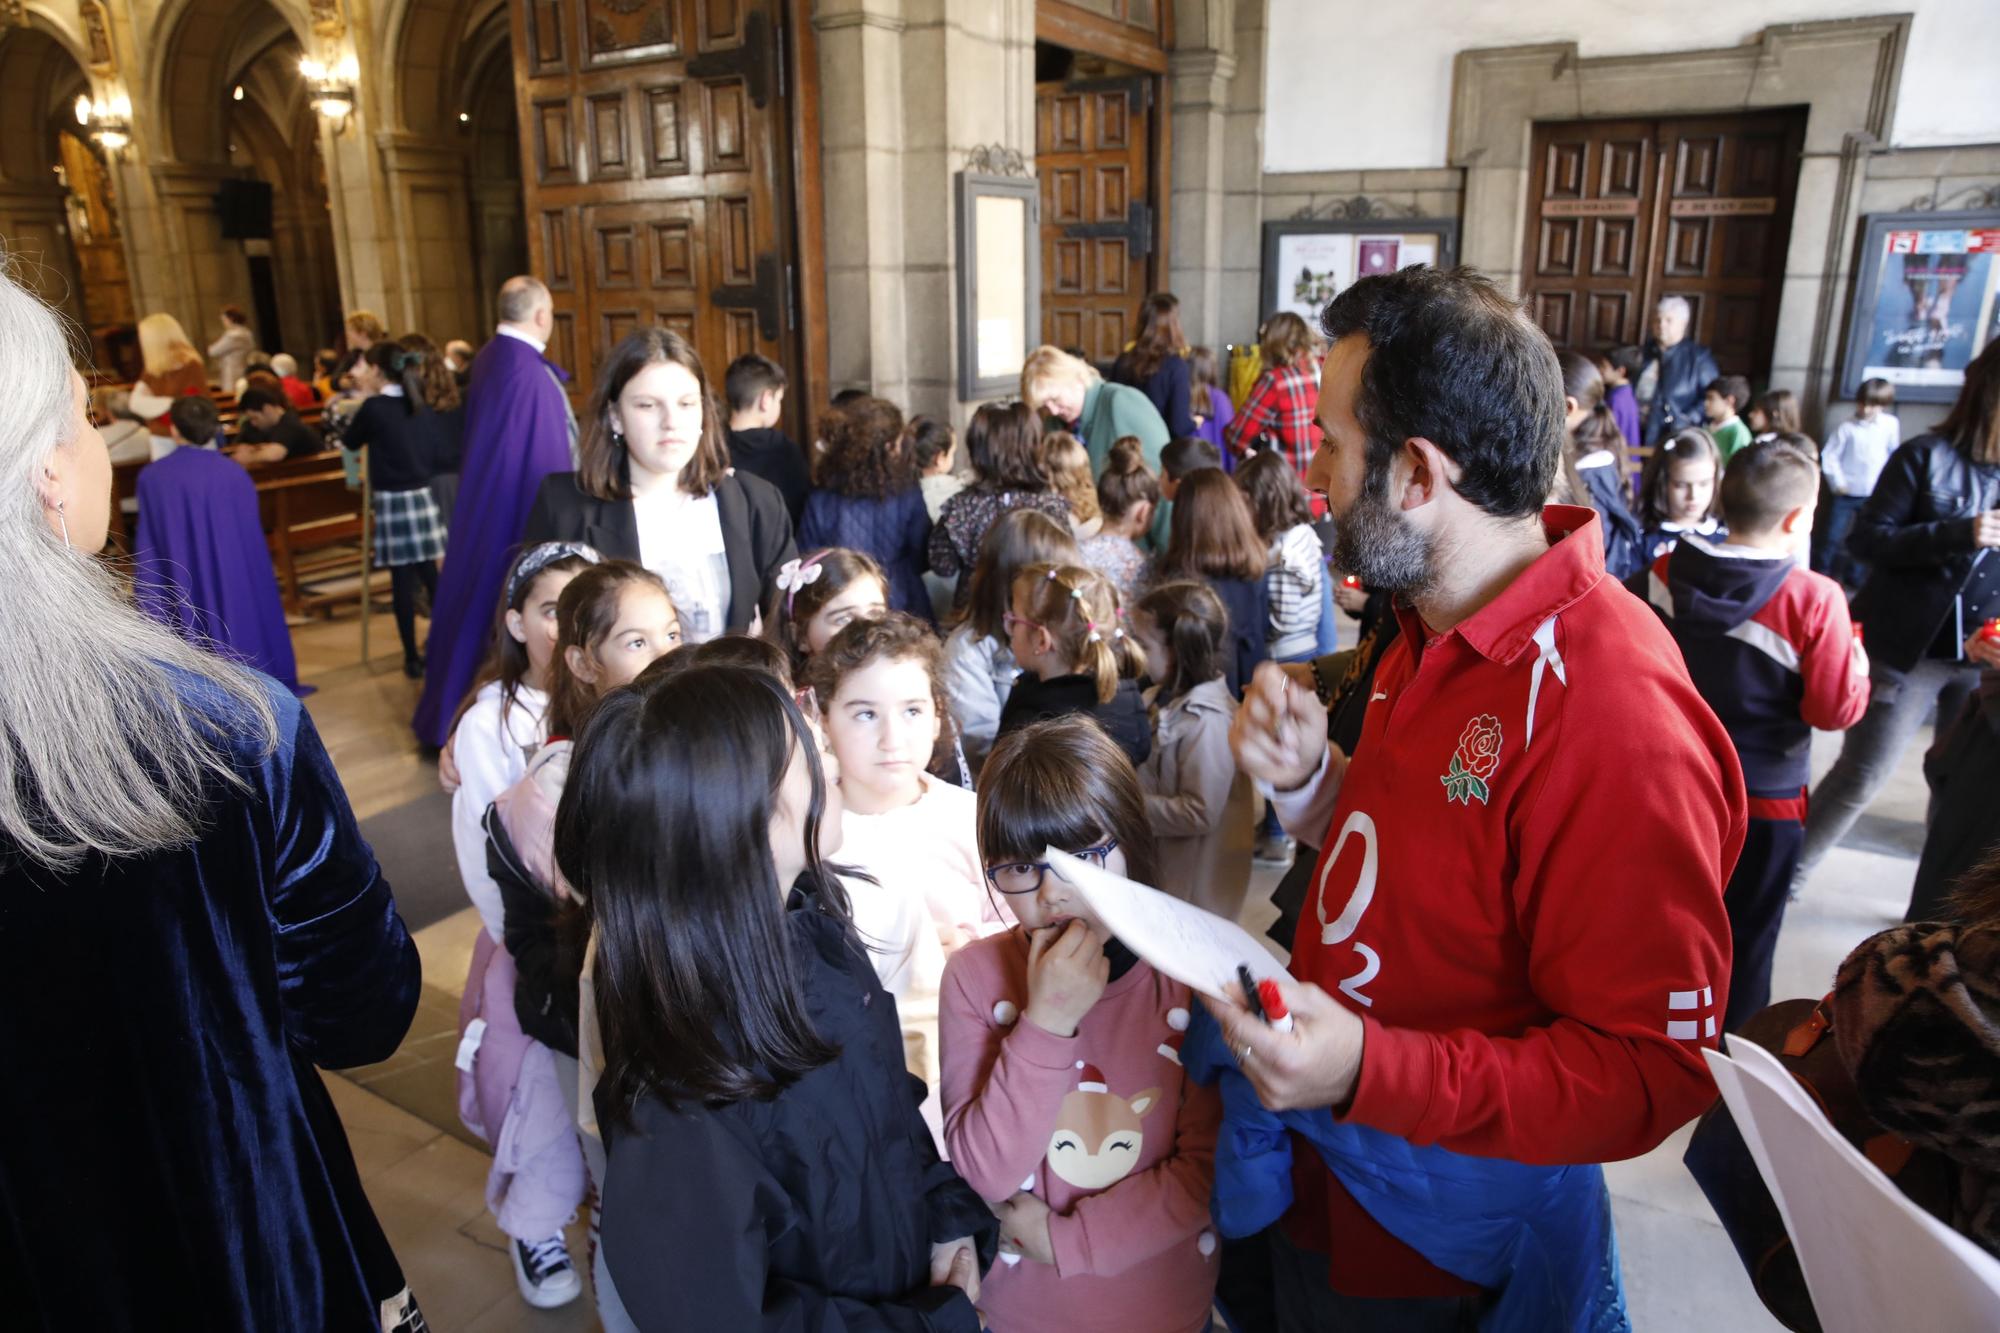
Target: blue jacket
1606 483
1539 1236
895 529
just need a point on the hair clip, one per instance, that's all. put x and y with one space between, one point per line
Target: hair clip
1095 637
1076 594
796 574
1117 633
1051 575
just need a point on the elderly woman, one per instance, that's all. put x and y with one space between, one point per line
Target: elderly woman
1069 389
1676 373
189 923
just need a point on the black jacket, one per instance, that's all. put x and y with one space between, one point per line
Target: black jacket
404 445
816 1209
1928 585
1124 719
770 454
1167 387
1686 370
756 532
539 936
1248 602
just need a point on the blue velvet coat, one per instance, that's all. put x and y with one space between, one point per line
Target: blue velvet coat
168 1155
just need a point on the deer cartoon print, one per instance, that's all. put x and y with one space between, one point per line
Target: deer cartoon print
1098 1134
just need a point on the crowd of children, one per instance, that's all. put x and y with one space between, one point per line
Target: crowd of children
671 1009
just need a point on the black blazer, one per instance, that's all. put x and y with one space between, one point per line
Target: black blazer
756 532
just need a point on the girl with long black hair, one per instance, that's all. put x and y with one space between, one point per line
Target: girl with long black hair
767 1166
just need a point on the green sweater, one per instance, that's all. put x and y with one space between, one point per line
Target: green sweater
1113 411
1730 436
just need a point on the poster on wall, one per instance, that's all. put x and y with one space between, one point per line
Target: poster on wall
1309 262
1925 302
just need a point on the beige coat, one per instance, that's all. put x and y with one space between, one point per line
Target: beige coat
1201 808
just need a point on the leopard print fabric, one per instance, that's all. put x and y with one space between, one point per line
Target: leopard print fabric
1916 1018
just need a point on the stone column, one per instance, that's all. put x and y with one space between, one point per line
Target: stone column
1241 299
430 203
894 137
181 263
1200 85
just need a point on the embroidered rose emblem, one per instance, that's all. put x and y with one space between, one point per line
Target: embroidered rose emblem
1479 746
1478 754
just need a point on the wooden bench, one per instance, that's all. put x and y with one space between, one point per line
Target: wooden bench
312 521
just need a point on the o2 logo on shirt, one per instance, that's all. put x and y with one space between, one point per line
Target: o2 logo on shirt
1341 927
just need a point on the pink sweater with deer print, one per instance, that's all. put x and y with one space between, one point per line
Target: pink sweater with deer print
1102 1126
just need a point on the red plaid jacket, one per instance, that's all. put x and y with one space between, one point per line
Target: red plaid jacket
1282 404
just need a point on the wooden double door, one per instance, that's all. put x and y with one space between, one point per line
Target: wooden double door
1622 213
1093 153
656 174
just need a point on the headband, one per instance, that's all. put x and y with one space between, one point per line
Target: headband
538 558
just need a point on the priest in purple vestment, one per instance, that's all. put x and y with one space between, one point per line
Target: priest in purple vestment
203 566
518 429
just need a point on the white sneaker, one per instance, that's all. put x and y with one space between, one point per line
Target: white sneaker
544 1273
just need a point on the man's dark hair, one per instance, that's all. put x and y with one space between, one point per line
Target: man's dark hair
846 396
1764 482
255 397
1453 361
1733 387
195 418
1190 453
748 377
1627 358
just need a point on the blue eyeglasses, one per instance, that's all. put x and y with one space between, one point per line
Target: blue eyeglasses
1016 877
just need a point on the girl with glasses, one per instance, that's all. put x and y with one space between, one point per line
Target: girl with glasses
1065 1103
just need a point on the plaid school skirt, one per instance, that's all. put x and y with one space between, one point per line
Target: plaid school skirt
408 528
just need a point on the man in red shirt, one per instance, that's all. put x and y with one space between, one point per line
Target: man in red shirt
1515 944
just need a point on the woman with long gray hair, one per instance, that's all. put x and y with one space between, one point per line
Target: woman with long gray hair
189 922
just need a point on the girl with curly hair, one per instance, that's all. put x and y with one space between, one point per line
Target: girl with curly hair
866 498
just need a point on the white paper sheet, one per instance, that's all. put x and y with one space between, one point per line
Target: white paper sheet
1872 1259
1196 948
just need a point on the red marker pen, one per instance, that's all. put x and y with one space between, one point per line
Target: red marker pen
1859 637
1351 581
1990 630
1275 1013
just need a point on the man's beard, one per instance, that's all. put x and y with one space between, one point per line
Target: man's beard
1376 544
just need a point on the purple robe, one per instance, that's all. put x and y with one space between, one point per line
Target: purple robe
203 565
517 431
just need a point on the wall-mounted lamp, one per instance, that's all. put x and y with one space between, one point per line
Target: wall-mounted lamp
331 87
108 122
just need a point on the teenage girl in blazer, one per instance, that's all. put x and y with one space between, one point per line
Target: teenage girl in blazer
655 487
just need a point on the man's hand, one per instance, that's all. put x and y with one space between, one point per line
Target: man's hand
1024 1229
1986 529
1983 649
956 1264
1279 735
1316 1064
1067 972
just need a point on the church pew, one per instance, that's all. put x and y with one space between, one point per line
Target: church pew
306 507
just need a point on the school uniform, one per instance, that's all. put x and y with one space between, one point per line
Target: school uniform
1767 644
1035 700
1661 538
1604 480
403 446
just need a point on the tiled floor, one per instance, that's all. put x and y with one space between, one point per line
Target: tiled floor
427 1179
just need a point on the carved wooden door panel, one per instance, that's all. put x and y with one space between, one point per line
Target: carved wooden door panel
1092 148
656 176
1621 213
